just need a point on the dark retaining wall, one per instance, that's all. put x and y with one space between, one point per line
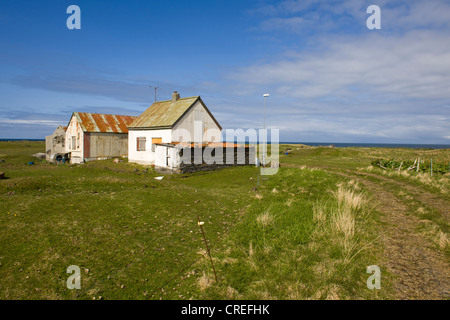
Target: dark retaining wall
242 156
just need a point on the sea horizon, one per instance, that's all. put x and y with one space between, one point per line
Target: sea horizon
336 144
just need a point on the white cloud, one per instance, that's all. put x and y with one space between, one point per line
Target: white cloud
384 86
37 122
416 65
397 15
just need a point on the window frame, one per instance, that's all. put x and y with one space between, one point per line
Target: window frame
141 143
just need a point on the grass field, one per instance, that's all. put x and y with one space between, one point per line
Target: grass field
308 232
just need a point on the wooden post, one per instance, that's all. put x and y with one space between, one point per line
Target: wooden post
431 166
413 166
207 247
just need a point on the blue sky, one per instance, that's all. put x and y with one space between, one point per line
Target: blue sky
330 78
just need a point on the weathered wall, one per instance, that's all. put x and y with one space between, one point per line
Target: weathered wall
75 141
210 131
55 144
106 145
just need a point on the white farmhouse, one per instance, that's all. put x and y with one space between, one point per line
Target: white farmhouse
154 138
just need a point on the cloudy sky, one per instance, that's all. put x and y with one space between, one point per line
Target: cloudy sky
330 78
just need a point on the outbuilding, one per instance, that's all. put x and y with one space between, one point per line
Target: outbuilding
55 145
94 136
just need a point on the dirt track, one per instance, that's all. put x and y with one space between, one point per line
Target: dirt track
420 272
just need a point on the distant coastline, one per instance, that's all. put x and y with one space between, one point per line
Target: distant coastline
22 139
374 145
335 144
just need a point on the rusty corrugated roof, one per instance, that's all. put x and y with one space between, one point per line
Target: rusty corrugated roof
97 122
163 113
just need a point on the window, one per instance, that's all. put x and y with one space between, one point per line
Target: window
74 141
78 141
140 143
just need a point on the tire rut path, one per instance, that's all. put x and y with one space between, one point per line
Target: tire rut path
420 272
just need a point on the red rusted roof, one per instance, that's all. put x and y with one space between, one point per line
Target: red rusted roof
97 122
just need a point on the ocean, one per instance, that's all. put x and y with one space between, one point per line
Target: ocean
22 139
336 144
375 145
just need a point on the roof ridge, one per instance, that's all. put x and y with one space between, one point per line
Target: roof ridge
108 114
164 114
177 100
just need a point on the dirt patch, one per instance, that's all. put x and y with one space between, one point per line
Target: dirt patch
419 271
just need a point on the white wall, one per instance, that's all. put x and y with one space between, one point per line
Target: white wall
161 156
197 113
175 158
147 156
74 130
167 157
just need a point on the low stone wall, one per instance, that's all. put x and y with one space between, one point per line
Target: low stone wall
242 156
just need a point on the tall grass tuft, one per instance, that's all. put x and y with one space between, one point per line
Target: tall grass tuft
343 220
265 219
349 198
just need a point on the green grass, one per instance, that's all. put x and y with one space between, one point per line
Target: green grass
126 227
281 250
135 237
352 157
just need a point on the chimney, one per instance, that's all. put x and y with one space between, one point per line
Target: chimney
175 96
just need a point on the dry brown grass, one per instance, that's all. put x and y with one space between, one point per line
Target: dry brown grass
343 222
442 240
339 221
265 219
319 214
349 198
290 201
204 282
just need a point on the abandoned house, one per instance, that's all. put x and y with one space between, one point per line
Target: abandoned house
168 129
155 134
55 147
94 136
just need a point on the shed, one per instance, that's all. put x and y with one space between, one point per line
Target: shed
94 136
55 145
